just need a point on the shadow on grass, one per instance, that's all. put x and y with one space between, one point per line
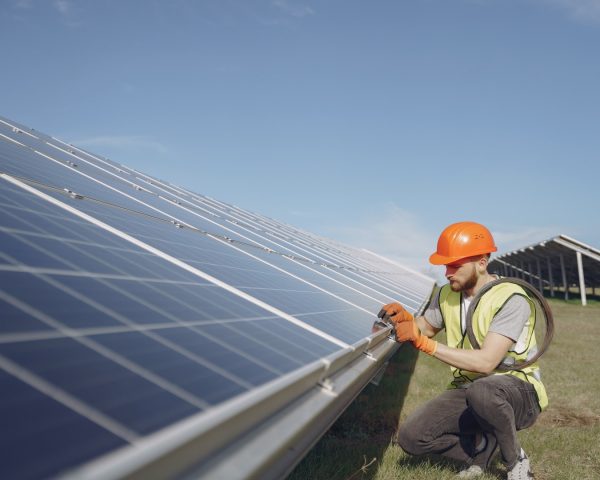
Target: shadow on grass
364 431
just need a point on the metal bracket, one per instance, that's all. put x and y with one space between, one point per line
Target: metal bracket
72 194
376 380
327 384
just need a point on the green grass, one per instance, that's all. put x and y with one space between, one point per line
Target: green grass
563 444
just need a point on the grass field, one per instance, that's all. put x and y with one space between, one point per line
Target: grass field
563 444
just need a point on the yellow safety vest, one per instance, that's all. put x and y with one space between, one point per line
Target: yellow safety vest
490 304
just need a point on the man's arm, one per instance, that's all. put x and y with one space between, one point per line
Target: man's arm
495 345
506 328
494 348
484 360
426 328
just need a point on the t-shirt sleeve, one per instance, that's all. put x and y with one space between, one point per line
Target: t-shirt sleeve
511 318
433 314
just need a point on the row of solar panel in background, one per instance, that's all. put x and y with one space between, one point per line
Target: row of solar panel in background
103 342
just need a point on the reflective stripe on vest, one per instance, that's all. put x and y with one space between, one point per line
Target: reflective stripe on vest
489 305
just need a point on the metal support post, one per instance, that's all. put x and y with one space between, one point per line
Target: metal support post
551 278
564 276
522 272
539 272
581 279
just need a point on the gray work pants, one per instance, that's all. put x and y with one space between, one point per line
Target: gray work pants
497 405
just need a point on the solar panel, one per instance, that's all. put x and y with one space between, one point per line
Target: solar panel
132 307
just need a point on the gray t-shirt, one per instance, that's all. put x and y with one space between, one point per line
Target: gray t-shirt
510 321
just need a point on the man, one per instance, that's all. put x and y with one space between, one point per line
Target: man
483 408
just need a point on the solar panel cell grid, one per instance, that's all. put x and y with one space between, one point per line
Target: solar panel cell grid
40 429
87 180
238 269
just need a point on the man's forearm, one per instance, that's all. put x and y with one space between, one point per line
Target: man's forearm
478 361
493 350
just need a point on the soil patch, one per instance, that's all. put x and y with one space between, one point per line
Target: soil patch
566 417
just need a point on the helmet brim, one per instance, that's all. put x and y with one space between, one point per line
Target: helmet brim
437 259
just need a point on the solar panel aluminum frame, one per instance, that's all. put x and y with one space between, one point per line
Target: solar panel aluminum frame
294 431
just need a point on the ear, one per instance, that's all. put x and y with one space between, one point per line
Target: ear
482 263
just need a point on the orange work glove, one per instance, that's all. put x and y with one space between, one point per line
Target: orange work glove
394 313
409 332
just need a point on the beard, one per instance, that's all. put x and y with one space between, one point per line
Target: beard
468 284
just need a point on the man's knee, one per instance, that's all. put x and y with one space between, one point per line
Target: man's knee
477 395
485 397
422 430
408 441
411 439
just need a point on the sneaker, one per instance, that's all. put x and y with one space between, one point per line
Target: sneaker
473 471
521 470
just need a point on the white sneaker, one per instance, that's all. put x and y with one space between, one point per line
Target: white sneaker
521 470
473 471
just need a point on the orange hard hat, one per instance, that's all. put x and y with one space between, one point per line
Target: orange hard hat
461 240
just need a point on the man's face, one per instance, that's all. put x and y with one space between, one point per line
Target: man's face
462 274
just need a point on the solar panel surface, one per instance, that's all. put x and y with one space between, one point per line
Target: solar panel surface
130 304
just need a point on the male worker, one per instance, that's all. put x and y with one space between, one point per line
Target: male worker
483 408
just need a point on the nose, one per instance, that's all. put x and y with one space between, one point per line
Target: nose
450 270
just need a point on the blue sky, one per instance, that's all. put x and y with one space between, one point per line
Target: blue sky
376 123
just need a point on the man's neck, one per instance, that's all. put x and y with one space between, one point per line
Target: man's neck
481 281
